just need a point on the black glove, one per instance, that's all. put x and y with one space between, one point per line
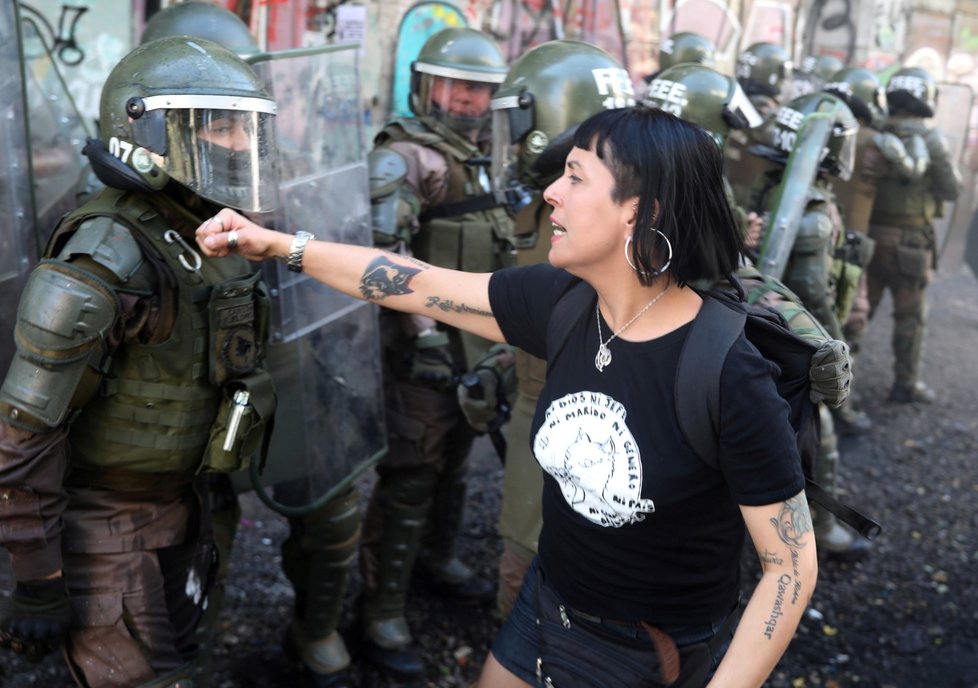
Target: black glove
431 364
35 618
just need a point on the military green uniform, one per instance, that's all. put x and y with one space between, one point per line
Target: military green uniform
422 478
901 224
147 417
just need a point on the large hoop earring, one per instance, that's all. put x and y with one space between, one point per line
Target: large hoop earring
658 271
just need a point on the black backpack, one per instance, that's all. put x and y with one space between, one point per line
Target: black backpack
723 316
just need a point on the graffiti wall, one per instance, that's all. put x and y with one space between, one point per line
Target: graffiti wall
88 39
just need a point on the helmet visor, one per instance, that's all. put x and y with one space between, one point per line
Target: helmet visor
847 151
224 154
505 151
461 104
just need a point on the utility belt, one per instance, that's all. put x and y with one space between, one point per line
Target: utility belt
582 650
125 481
901 220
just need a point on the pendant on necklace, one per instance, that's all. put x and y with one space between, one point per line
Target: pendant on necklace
603 358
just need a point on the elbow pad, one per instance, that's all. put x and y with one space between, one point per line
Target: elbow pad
909 164
63 320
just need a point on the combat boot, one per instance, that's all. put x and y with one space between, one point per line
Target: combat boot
438 569
392 534
316 558
910 393
851 422
832 539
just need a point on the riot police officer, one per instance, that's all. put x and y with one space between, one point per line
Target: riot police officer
547 92
812 73
764 72
682 47
815 270
142 359
317 554
877 154
432 199
902 226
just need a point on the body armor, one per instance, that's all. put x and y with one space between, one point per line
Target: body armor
159 401
473 241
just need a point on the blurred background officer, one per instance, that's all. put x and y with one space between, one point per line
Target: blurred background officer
547 92
878 154
812 73
682 47
319 550
764 72
902 227
144 360
432 199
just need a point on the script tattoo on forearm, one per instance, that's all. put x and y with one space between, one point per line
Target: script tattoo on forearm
383 277
449 306
793 521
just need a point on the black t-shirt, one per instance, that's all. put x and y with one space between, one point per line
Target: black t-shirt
636 526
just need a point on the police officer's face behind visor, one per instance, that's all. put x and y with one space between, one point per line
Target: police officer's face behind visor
227 130
460 98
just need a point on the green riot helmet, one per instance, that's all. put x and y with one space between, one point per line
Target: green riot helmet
189 110
548 91
912 90
705 97
203 20
862 92
686 46
450 56
838 156
820 67
763 68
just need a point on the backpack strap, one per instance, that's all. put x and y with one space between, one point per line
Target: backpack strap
714 330
566 313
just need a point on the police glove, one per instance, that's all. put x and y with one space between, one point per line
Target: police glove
35 619
491 384
831 373
431 360
908 156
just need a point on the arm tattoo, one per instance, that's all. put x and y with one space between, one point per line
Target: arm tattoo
771 558
383 277
449 306
793 521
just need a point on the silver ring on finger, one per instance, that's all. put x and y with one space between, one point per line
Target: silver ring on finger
232 239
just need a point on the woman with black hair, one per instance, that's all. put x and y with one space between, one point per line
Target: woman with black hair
637 578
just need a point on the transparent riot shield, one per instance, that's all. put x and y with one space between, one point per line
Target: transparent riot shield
325 352
56 132
951 116
18 250
781 227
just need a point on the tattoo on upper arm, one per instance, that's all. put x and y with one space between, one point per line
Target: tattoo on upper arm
383 277
769 557
793 521
449 306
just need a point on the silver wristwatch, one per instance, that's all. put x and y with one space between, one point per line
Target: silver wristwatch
297 248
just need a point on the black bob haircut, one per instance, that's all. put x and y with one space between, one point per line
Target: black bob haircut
674 167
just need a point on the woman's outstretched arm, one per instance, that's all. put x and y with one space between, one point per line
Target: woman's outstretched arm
459 299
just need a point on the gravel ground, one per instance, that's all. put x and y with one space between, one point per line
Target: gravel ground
906 617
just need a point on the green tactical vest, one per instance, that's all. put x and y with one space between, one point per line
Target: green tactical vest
159 401
479 241
856 196
904 202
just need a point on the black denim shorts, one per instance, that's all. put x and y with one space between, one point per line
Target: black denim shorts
518 644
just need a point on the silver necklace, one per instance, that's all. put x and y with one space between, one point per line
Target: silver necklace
603 358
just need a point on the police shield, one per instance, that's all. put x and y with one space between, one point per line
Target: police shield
792 194
41 170
324 353
953 101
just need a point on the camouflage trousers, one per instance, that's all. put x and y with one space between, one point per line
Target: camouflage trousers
138 574
904 264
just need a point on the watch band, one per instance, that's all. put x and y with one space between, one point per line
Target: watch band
297 248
